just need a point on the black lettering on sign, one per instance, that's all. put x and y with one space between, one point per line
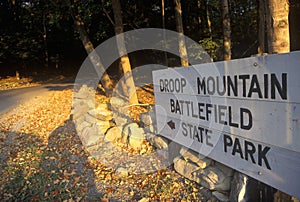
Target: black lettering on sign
200 106
230 116
244 85
266 85
221 92
262 152
222 114
244 78
232 85
175 106
184 129
211 86
246 150
275 84
227 142
237 148
207 137
197 133
255 87
201 85
172 85
249 151
172 105
243 113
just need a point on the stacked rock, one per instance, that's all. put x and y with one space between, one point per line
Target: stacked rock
209 174
112 123
84 116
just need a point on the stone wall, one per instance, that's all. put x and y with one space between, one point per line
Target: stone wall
110 123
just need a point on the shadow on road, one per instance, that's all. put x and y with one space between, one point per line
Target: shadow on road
59 87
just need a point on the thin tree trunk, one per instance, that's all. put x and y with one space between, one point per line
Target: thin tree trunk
45 42
278 26
261 27
226 30
164 27
179 27
79 25
129 87
199 16
208 20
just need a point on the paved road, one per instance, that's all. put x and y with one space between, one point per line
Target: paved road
14 97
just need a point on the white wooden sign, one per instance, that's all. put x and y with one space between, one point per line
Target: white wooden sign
243 113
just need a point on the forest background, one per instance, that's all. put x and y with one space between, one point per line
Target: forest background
43 35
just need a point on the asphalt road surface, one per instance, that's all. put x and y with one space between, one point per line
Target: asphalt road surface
12 98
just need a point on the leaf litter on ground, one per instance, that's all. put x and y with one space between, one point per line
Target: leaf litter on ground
42 158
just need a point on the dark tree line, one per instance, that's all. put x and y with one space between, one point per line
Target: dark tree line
55 34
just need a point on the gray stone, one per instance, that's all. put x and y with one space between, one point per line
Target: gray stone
136 141
214 179
90 118
187 169
164 153
80 125
80 110
136 135
103 114
90 102
157 141
225 185
225 169
120 120
145 119
89 136
102 127
121 172
150 129
103 123
174 149
116 103
199 159
113 134
84 92
103 130
214 174
220 196
130 129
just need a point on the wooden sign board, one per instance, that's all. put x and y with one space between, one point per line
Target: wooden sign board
243 113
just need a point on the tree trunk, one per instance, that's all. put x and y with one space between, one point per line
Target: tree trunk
179 27
278 26
164 27
45 42
208 19
199 16
277 13
79 25
226 30
261 27
129 87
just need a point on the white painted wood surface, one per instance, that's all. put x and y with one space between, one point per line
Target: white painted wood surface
275 122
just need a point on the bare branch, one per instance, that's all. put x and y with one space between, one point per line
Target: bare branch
106 13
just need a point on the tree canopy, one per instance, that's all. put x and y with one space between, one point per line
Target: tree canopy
41 33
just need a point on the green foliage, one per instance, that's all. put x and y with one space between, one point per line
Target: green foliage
32 30
212 47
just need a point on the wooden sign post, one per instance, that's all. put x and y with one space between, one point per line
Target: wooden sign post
243 113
